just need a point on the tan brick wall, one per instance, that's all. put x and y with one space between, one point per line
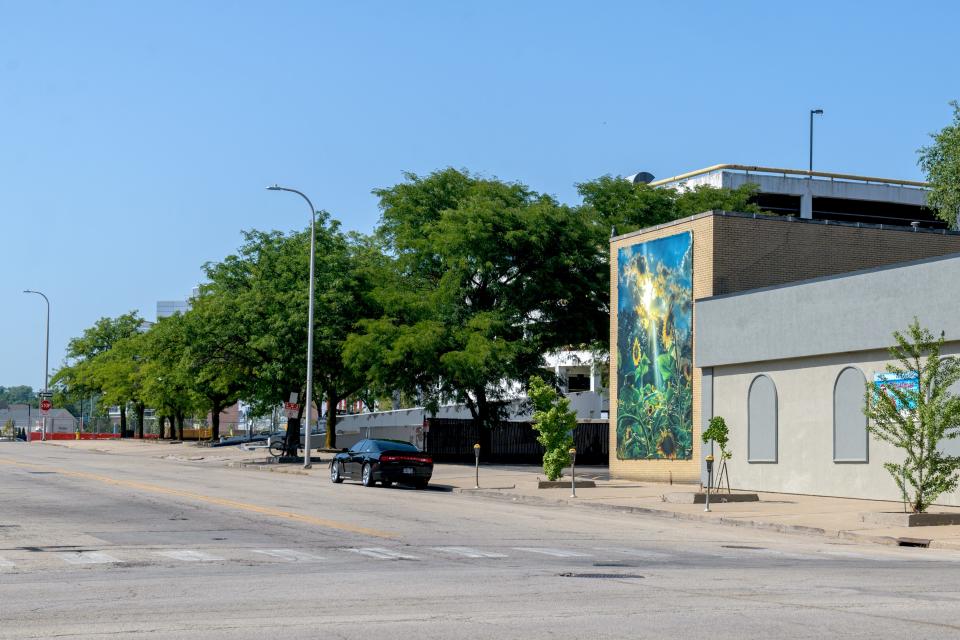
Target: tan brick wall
751 253
735 253
703 250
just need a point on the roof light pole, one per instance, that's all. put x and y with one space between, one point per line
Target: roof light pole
313 239
46 361
813 112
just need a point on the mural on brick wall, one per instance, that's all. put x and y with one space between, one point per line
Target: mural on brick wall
655 350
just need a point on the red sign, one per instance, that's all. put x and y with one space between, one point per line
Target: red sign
292 409
45 406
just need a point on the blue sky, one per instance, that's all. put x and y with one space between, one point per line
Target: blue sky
136 137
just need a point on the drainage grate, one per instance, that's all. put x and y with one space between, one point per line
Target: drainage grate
913 542
602 576
740 546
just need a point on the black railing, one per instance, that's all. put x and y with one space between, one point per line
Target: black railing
451 440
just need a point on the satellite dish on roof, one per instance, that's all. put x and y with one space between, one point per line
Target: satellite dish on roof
643 177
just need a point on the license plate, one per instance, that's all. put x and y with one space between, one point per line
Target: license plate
408 470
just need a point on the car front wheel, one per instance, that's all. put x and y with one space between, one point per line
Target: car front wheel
366 477
335 475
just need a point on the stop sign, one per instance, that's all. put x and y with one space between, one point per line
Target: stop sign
45 406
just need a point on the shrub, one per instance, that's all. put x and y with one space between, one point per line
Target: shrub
555 422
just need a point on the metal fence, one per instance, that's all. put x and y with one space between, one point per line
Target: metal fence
452 440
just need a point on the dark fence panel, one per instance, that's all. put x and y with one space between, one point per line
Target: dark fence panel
451 440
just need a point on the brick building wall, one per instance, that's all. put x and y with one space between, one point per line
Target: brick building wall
736 252
752 252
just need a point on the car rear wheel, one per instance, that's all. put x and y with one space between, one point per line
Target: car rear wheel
335 475
366 477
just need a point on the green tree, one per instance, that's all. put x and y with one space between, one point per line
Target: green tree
82 377
21 394
718 431
941 162
216 360
555 422
483 278
917 420
267 283
615 203
166 382
118 373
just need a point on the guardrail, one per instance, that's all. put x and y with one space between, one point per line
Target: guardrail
785 172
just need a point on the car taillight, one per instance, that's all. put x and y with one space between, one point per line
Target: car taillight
403 458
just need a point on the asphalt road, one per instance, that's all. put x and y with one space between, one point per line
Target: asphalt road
104 546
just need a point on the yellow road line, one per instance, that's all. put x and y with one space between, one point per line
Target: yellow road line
223 502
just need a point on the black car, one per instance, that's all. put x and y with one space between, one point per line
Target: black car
383 461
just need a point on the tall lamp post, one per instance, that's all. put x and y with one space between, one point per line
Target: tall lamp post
46 360
313 239
813 112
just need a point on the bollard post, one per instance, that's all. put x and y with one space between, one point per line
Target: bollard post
573 472
476 455
709 480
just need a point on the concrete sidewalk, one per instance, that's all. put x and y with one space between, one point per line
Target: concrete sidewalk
788 513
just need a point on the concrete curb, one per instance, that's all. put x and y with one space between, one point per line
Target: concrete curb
694 517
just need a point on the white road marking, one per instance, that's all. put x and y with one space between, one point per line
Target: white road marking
557 553
637 553
189 555
381 553
470 553
289 555
87 557
6 564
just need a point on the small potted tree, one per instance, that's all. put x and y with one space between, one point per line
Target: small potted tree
718 432
916 418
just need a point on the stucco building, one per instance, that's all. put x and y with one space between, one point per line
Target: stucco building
680 353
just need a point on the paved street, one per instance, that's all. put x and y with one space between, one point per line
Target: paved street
104 546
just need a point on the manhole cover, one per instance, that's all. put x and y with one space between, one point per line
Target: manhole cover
613 564
602 576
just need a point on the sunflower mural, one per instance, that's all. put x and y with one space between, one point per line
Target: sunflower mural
655 350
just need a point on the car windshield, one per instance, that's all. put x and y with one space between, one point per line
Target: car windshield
394 445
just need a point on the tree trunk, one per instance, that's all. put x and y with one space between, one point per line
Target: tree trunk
331 439
161 426
292 442
215 410
123 421
141 411
484 426
179 418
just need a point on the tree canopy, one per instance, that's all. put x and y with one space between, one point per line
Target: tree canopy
467 283
941 162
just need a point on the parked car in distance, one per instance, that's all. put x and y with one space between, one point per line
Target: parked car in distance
384 461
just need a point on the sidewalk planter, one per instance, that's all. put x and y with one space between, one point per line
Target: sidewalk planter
896 519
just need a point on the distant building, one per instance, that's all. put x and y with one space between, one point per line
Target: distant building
26 417
167 308
818 195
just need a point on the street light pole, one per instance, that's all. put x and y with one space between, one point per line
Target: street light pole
46 360
313 239
813 112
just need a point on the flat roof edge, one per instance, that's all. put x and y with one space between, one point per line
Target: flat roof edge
788 219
